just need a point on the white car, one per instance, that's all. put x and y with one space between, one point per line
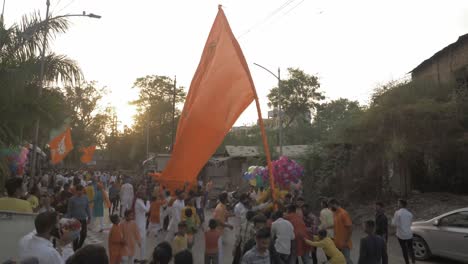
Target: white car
443 236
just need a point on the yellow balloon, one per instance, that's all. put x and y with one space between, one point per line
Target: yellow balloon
263 196
253 182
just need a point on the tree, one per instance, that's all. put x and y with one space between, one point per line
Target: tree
90 123
20 46
155 111
20 61
299 96
333 118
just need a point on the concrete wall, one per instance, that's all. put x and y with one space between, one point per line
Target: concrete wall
237 167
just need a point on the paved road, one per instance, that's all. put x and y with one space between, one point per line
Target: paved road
199 247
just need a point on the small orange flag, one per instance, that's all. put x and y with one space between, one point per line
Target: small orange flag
88 154
60 146
220 91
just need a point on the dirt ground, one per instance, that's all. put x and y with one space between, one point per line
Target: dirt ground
424 206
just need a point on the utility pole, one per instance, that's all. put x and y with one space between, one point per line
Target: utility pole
42 72
3 11
39 91
280 101
280 114
114 137
174 94
147 133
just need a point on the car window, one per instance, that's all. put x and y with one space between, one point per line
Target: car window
455 220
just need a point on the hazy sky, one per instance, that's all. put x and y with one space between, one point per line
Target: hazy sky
351 45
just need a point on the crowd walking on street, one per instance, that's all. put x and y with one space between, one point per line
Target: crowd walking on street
281 231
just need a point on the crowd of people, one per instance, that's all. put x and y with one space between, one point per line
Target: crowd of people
284 230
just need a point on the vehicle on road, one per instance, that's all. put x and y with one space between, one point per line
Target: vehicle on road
444 236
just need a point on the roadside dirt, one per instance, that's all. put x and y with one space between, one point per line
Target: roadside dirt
424 206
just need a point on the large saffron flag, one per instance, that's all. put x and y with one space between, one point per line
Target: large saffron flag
220 91
88 154
60 146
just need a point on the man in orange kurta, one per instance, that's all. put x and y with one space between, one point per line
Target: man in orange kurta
155 214
221 215
131 237
343 228
116 241
300 233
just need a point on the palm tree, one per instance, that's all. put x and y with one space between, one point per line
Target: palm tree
20 46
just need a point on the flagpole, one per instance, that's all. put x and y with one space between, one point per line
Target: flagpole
173 112
265 147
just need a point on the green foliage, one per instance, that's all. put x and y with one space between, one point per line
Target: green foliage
299 96
90 123
20 64
335 117
154 116
19 79
415 129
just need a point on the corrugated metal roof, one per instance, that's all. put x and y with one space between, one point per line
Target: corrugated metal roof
294 151
242 151
218 159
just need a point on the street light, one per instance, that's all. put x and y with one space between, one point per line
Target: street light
280 117
42 70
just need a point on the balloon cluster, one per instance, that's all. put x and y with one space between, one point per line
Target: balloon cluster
256 176
286 172
16 158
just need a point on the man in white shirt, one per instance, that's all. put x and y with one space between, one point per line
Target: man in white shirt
113 178
126 197
37 244
141 209
241 209
175 215
326 219
104 178
283 232
59 178
402 221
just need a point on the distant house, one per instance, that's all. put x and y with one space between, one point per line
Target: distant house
226 170
449 65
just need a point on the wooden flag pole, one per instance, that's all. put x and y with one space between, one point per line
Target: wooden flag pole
266 148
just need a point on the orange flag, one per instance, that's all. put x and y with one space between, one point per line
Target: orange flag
60 146
88 154
220 91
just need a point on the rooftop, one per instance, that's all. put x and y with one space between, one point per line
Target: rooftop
461 40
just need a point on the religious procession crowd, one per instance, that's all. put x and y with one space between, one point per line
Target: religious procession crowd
282 230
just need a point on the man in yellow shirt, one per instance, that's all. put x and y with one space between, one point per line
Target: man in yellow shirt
14 187
89 190
189 205
180 242
33 198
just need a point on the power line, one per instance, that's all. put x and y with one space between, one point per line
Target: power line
273 13
55 7
67 5
287 12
